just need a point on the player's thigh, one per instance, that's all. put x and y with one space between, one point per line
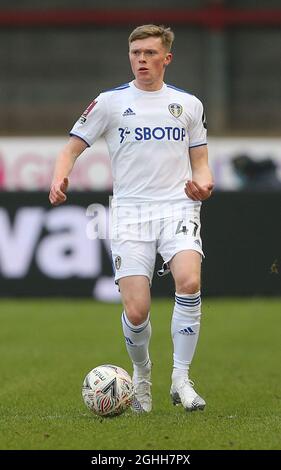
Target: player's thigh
181 248
185 267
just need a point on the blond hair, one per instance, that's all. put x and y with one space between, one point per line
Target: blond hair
151 30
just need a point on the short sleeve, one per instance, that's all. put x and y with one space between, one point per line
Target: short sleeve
198 127
93 123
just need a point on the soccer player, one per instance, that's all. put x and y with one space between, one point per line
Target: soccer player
156 137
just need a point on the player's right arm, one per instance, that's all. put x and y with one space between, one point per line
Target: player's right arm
90 126
63 168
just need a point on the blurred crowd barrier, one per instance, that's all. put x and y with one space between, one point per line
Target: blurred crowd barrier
47 251
26 164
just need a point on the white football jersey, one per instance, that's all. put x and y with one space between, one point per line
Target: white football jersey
148 134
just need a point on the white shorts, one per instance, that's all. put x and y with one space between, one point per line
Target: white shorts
135 245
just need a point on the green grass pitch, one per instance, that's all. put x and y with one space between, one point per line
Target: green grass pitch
48 346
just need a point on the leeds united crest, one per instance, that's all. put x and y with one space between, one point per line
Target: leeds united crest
117 262
175 109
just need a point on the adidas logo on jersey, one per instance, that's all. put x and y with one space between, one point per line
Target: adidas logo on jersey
187 331
129 112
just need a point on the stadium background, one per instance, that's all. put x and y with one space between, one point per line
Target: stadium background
55 58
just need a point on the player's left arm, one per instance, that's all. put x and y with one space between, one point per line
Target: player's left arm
202 184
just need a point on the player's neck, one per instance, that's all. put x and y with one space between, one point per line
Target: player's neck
155 86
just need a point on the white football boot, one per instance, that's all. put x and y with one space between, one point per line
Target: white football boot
184 393
142 402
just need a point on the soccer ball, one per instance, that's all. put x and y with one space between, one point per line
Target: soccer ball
107 390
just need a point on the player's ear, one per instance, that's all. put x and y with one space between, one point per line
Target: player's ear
168 59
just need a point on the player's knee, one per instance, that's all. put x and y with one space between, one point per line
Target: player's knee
136 314
189 285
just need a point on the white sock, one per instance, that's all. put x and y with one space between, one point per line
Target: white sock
185 331
137 342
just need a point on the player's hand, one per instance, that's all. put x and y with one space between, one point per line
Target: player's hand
196 192
57 193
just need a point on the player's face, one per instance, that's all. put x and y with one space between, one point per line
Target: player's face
148 58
